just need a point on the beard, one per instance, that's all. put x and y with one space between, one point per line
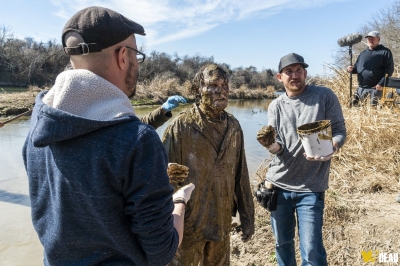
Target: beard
295 87
131 80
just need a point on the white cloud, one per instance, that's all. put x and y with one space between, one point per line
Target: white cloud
170 20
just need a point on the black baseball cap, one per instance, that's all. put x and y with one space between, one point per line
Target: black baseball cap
100 28
291 59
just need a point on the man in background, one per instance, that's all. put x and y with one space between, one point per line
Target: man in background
371 67
98 182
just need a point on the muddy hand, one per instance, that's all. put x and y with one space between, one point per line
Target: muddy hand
266 136
177 173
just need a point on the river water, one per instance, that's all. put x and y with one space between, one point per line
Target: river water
19 244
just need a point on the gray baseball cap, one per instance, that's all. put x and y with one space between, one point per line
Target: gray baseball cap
291 59
373 33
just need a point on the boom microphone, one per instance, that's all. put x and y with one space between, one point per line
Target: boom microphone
350 39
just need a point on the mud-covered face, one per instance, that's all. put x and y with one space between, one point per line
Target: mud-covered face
214 89
214 94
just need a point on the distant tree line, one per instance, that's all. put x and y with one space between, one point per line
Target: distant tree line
26 62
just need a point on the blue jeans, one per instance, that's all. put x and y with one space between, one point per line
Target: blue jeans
309 208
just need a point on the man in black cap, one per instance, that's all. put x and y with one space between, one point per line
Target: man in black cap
98 182
300 180
371 67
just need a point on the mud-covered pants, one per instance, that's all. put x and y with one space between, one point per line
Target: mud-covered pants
209 253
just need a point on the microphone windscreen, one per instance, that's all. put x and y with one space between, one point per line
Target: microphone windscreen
350 39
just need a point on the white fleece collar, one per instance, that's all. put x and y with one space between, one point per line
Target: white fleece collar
85 94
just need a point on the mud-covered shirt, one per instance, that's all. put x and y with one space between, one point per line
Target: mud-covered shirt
220 174
156 118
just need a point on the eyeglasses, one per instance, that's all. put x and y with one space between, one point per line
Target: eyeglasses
139 55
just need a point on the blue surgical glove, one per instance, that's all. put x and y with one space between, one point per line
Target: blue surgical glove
173 102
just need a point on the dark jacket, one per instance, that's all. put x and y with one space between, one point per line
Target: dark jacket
372 65
99 191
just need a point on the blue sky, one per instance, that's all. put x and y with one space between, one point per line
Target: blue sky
235 32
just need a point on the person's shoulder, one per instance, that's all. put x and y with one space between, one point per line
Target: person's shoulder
321 90
381 47
184 117
275 102
233 121
318 88
136 127
232 117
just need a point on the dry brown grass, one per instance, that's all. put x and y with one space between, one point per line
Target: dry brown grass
159 89
370 159
165 85
243 92
17 103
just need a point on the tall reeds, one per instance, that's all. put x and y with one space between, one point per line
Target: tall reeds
165 85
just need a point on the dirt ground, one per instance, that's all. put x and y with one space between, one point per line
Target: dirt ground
373 224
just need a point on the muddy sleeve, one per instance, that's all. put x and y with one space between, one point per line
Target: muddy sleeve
245 204
173 143
273 121
156 118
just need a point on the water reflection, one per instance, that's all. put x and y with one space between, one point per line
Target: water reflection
13 179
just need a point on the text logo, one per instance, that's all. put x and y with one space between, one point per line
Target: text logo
376 256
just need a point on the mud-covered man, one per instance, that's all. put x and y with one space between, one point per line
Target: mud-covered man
210 142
